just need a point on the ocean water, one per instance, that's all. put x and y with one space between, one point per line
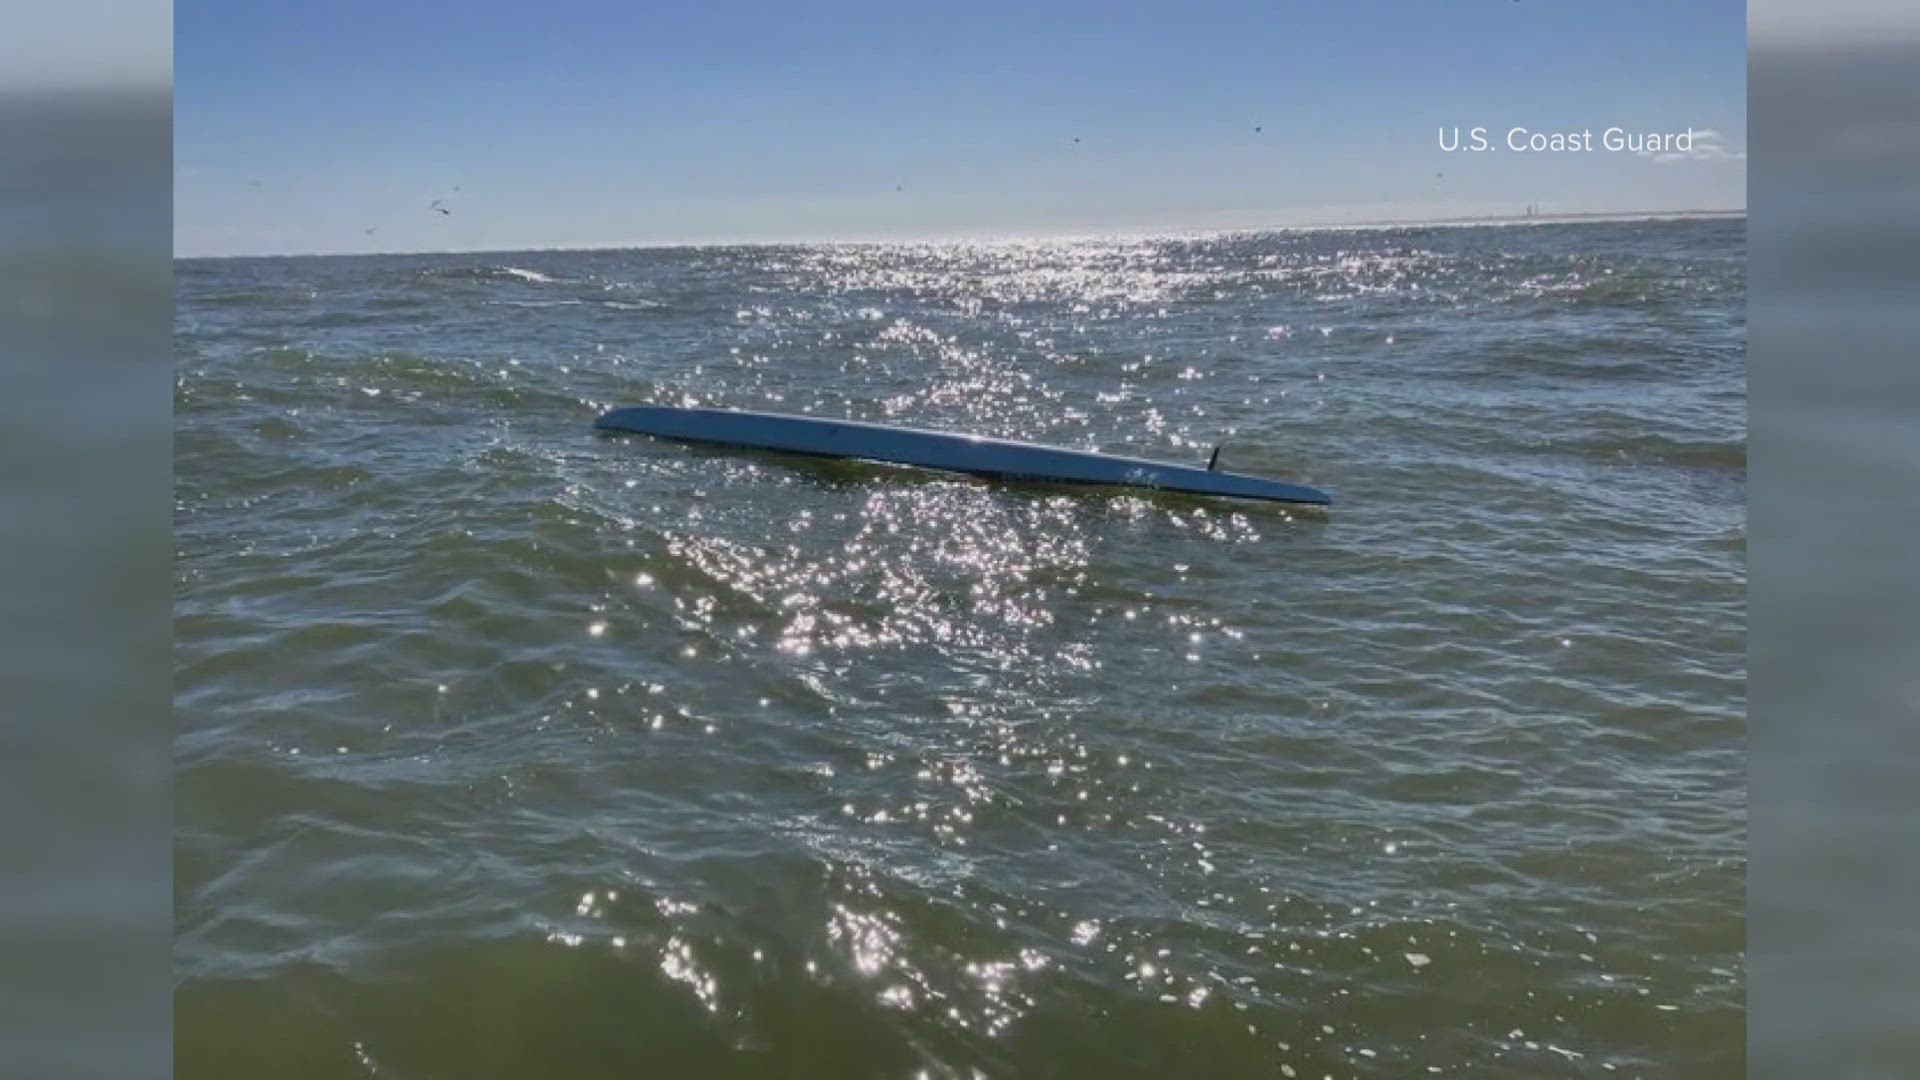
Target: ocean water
506 749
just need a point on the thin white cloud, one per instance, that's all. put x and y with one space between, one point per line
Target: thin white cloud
1707 145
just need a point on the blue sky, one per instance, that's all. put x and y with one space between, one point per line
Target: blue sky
584 122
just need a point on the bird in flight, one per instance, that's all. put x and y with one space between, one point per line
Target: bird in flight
442 209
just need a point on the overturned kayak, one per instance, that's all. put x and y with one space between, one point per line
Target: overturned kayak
974 454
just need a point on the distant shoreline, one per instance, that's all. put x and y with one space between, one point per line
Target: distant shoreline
1570 218
1487 220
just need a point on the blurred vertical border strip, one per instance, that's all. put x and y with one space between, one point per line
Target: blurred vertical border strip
1833 524
85 539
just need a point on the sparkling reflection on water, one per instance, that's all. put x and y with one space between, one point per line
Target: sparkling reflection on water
731 763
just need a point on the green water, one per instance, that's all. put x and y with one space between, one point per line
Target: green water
507 750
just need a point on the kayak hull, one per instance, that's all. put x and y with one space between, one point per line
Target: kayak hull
974 454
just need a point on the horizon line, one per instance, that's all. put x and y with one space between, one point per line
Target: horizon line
1485 220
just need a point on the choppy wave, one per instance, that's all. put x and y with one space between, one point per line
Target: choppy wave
526 275
462 270
716 763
